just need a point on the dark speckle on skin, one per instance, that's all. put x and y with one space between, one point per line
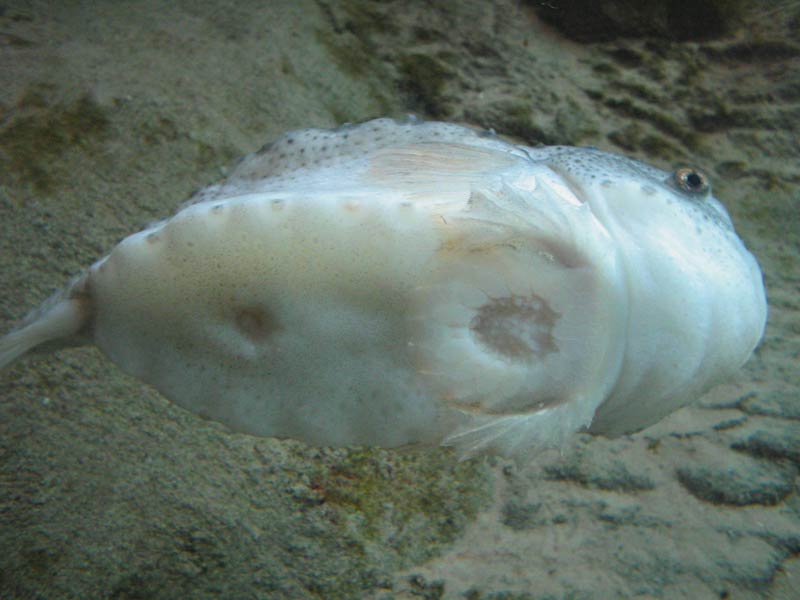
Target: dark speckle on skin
256 323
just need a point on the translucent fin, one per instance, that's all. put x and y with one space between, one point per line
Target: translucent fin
15 344
436 172
321 148
412 157
520 435
60 318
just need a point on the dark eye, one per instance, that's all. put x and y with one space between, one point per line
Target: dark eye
691 181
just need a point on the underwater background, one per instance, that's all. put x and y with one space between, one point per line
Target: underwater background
113 113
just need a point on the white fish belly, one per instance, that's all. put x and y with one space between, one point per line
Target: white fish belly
279 316
412 283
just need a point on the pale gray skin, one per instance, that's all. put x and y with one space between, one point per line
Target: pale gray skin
412 283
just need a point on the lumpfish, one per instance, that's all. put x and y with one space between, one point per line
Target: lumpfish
420 283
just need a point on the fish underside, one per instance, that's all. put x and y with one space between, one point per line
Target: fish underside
411 283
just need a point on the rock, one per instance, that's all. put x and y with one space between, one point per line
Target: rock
612 470
690 421
522 515
593 21
771 439
737 479
774 403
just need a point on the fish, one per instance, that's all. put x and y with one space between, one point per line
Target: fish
404 283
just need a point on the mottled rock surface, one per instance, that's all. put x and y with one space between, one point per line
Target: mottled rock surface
112 113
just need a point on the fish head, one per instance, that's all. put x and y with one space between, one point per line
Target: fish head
696 304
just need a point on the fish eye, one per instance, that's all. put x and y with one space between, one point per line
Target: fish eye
691 181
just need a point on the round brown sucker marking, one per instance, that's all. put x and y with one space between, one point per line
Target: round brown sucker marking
518 328
256 323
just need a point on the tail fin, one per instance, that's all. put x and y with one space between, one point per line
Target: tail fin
61 317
